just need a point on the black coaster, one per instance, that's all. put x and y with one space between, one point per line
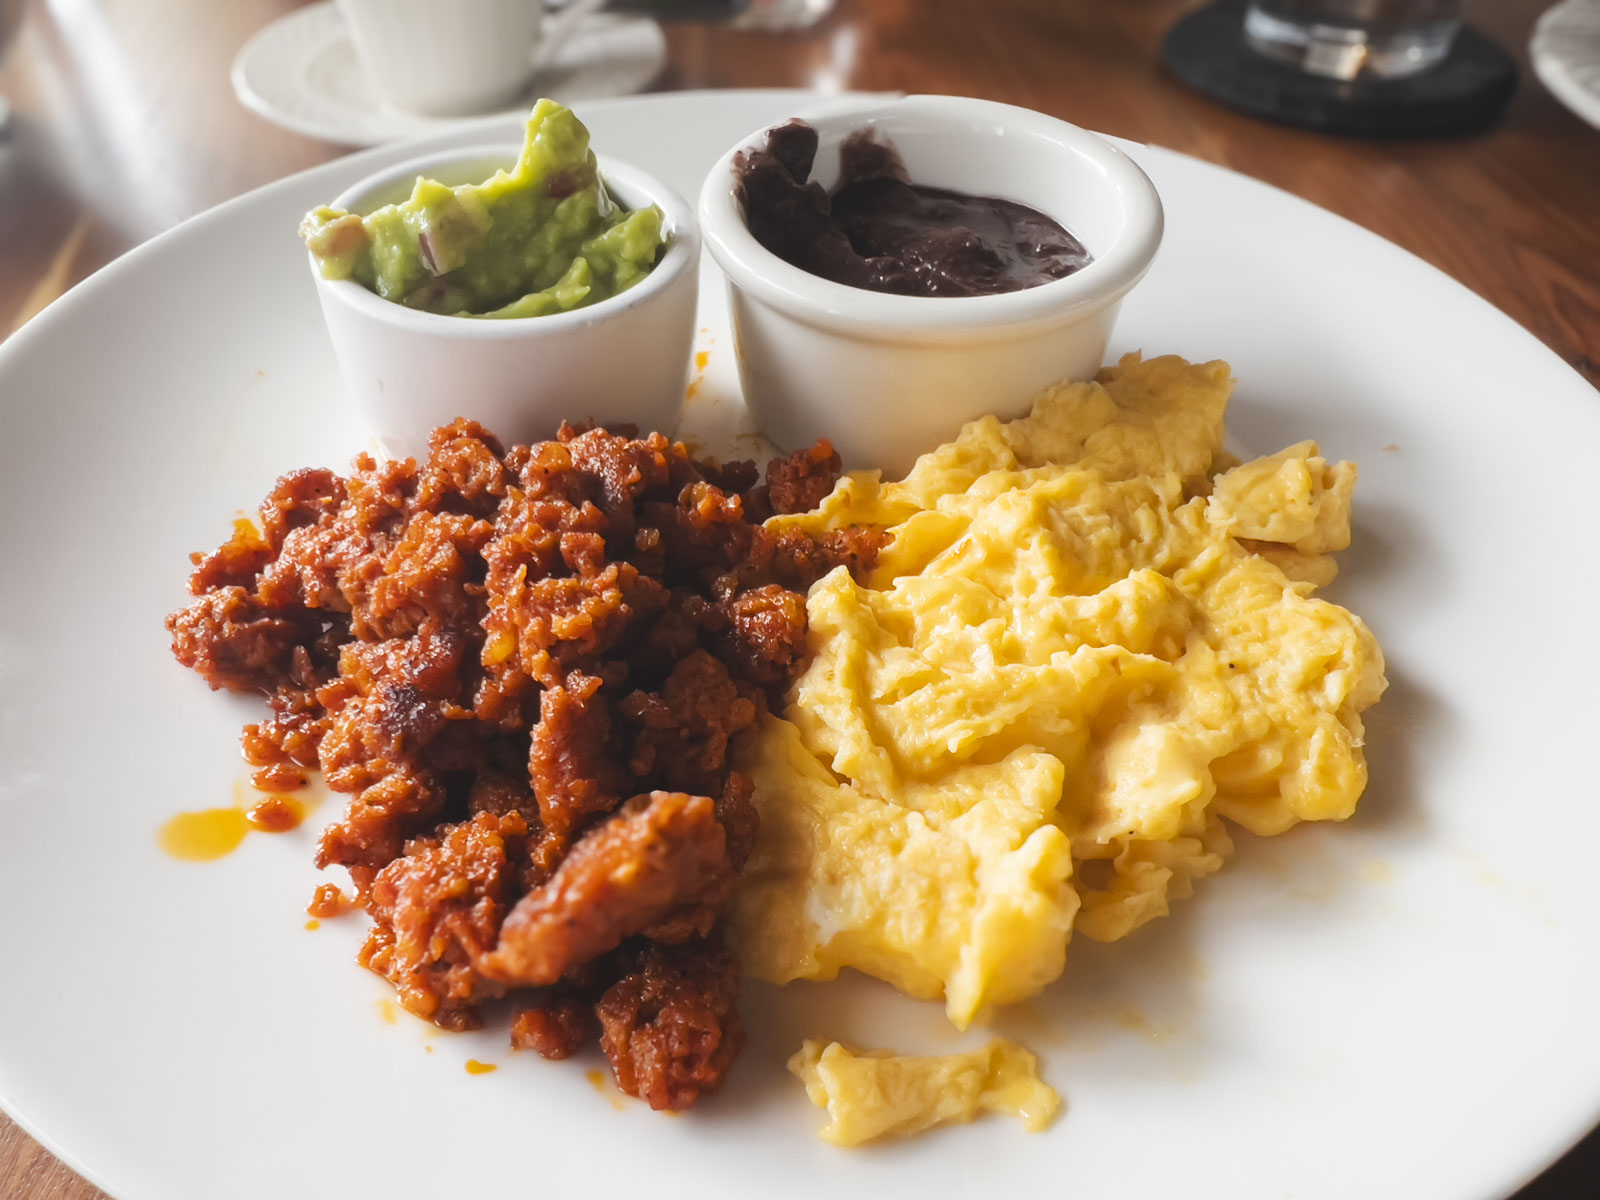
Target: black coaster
1466 92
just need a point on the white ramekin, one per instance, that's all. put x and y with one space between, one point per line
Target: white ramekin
888 377
625 359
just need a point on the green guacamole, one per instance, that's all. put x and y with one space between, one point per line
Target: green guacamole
544 237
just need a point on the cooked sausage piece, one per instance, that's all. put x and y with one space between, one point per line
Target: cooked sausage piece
659 853
670 1025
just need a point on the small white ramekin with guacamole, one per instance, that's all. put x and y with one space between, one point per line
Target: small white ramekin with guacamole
499 283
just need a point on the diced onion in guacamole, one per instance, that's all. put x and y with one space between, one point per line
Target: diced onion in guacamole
544 237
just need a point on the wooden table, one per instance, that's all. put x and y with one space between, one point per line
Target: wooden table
125 124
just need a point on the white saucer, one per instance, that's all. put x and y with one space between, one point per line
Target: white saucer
1566 55
301 72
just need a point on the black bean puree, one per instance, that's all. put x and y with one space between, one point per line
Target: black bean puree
878 230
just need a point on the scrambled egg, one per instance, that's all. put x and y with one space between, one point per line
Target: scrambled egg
875 1094
1088 644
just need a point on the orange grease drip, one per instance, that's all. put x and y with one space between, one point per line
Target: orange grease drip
602 1084
701 358
474 1067
313 924
212 833
204 836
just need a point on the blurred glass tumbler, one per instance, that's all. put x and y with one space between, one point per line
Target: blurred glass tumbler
455 57
1347 39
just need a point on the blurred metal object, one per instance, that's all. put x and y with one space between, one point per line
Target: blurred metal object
1348 39
11 14
779 16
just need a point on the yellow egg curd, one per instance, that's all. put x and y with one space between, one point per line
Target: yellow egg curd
871 1095
1091 641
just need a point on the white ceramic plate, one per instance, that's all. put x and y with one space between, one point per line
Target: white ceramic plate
301 72
1565 50
1399 1006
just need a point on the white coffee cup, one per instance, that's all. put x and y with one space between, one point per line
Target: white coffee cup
456 57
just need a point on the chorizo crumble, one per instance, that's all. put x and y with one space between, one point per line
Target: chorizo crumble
524 668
